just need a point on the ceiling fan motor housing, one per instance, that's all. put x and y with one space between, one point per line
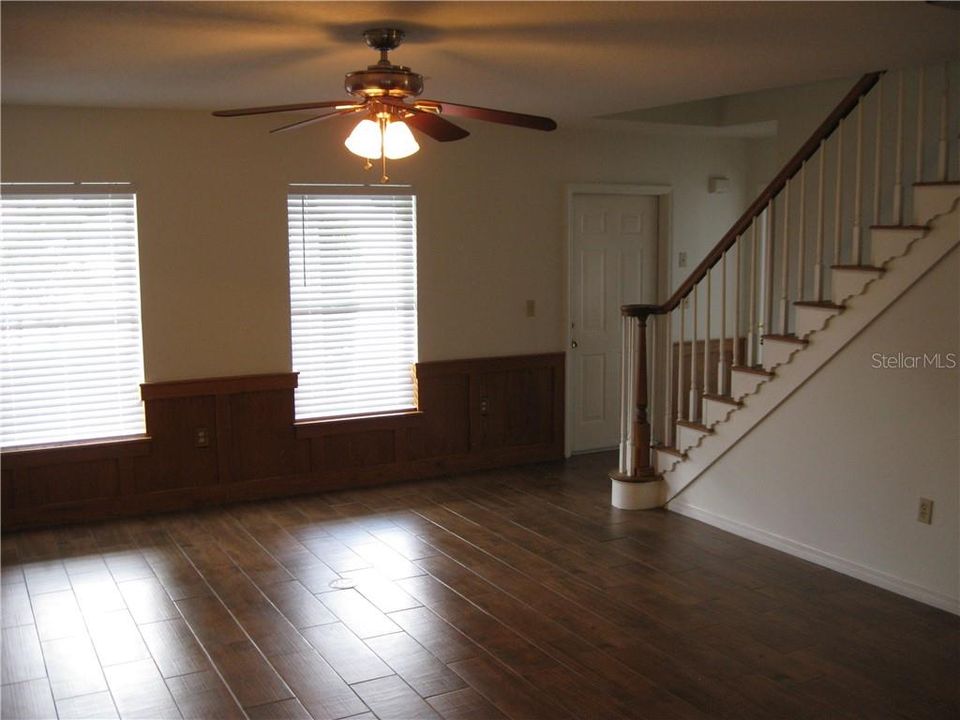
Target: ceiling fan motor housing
384 78
378 80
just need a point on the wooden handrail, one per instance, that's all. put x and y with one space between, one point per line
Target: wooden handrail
639 310
806 151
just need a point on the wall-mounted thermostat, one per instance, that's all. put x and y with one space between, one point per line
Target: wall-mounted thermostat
718 184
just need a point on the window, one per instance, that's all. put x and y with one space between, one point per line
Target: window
353 301
71 362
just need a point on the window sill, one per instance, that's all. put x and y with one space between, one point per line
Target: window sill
77 451
357 423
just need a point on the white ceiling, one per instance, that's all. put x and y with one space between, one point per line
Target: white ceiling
569 60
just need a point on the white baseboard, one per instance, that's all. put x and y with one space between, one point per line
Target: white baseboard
820 557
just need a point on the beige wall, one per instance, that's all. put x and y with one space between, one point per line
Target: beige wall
211 196
797 111
836 472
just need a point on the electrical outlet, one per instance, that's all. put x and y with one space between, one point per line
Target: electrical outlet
925 511
681 259
201 438
484 406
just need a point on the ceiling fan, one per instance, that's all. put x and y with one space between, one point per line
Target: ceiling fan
385 95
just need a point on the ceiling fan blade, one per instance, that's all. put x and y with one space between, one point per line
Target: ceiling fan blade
435 126
316 119
534 122
339 104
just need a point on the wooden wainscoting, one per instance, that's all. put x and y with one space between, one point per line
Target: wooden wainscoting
474 414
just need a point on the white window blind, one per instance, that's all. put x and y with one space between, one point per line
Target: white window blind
353 302
71 361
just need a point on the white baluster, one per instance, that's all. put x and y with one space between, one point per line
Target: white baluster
942 149
736 303
838 200
694 375
784 260
768 270
802 234
858 188
668 425
898 158
818 250
878 136
681 399
631 393
706 340
918 170
752 306
653 404
624 391
722 361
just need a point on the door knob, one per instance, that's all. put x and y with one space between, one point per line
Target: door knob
574 344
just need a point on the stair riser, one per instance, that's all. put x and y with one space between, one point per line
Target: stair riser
847 283
777 352
810 319
929 201
715 411
687 438
889 243
743 384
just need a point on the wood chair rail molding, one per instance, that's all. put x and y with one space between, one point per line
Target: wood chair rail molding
65 453
218 385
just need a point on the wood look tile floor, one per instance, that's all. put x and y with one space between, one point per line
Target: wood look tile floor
511 594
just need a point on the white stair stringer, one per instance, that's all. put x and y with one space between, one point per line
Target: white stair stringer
811 317
717 409
932 199
689 434
939 237
888 242
664 459
850 280
745 381
777 350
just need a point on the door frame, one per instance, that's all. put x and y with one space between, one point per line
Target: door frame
664 196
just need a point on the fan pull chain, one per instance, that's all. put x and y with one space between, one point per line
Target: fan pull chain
383 150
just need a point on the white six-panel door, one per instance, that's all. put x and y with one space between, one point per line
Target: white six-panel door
613 262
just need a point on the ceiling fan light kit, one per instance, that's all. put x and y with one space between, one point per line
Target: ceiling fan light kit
382 92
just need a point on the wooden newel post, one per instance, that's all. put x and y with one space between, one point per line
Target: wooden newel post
635 465
641 426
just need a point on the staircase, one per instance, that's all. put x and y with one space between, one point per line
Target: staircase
801 273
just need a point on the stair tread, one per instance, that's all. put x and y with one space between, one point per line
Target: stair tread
899 227
862 268
695 426
754 370
786 338
670 451
823 304
723 399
